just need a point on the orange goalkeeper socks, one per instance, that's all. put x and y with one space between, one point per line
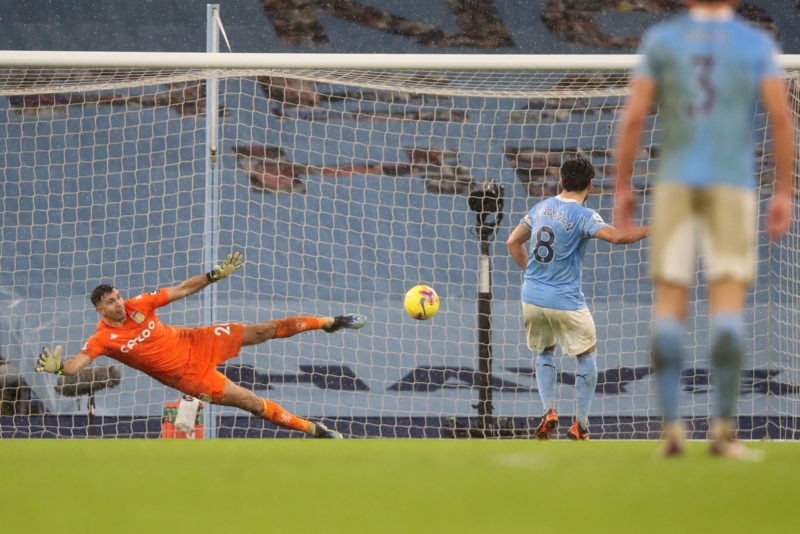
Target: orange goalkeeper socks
294 325
275 413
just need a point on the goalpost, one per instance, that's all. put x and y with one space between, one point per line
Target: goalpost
344 180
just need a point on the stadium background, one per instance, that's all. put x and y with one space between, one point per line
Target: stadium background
253 26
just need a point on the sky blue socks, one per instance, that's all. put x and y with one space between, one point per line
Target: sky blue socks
585 384
727 356
546 378
665 357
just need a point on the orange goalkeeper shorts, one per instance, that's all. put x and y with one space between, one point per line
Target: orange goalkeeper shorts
208 347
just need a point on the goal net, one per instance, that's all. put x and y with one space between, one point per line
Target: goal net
344 181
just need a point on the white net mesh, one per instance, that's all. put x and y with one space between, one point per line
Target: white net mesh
342 189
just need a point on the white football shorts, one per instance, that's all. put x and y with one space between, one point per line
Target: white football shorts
572 330
720 223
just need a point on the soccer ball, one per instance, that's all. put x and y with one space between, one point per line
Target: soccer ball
421 302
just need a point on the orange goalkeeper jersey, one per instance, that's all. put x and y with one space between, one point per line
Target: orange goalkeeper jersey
144 342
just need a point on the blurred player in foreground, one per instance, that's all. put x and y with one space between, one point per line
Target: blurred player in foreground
186 358
553 304
706 71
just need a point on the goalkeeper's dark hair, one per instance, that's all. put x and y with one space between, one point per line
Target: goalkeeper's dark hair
576 174
99 292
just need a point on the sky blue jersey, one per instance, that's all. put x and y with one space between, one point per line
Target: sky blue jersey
708 74
559 231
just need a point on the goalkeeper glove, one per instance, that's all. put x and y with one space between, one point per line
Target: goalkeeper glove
232 262
50 362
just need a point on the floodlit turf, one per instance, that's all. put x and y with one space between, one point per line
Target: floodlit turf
380 485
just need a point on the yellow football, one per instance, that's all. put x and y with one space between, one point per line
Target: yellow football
421 302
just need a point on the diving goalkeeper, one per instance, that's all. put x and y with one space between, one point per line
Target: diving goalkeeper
186 358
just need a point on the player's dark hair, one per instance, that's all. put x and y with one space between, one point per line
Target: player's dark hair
99 292
576 174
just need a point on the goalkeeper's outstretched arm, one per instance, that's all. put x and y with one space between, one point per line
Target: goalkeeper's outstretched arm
51 362
233 262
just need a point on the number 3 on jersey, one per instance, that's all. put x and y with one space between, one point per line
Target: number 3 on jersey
704 93
543 248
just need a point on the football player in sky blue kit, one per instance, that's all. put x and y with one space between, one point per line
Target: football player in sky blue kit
706 70
553 305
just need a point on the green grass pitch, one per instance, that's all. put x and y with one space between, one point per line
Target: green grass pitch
385 486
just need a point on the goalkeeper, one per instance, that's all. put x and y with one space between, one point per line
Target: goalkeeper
186 358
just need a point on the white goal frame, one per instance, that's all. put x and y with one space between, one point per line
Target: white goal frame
214 65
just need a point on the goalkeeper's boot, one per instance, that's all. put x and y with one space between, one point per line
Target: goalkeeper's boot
674 436
547 426
578 433
723 443
322 431
351 320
